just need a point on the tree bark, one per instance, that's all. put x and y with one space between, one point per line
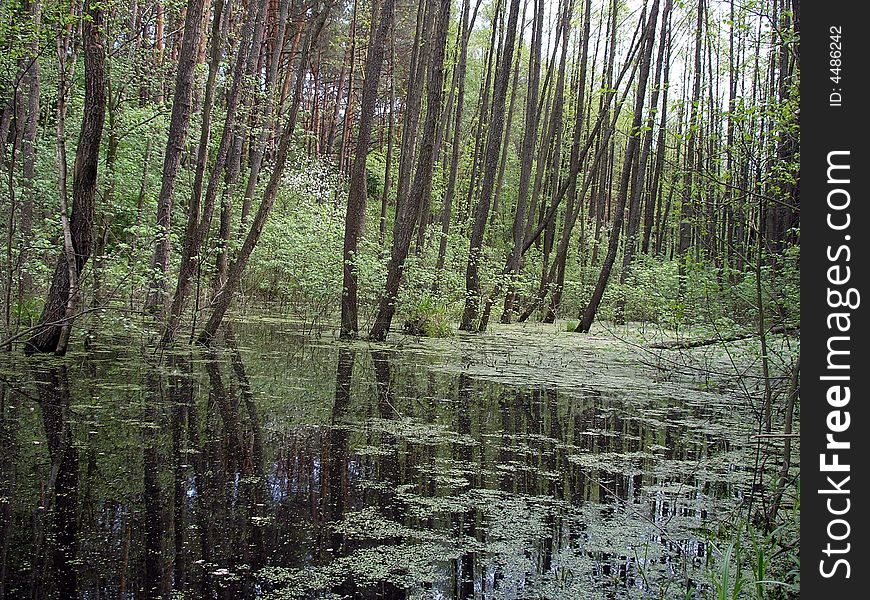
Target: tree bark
179 123
60 302
358 188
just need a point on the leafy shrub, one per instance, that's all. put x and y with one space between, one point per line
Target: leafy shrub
427 318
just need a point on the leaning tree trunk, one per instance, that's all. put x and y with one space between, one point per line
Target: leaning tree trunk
630 150
198 226
225 295
58 312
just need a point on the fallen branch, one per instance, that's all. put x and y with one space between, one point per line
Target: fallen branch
685 345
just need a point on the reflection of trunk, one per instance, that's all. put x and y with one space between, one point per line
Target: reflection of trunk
334 472
551 464
54 399
256 456
181 394
229 414
468 520
200 512
151 492
388 462
8 455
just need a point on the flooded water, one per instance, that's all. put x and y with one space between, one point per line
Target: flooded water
513 465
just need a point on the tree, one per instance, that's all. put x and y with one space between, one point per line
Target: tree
179 124
407 210
358 189
493 145
630 149
62 300
225 295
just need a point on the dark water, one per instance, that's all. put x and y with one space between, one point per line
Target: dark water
286 467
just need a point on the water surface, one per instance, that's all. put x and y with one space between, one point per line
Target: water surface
512 465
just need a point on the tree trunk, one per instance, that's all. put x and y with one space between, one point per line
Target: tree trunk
493 145
530 135
447 208
630 149
198 226
179 123
687 208
407 211
59 311
225 296
358 188
28 158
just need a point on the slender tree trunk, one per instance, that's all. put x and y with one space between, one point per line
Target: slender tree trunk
656 187
348 112
499 182
179 123
388 162
639 178
413 102
630 149
687 208
555 159
407 211
493 145
225 296
358 189
571 213
530 135
198 225
447 208
28 158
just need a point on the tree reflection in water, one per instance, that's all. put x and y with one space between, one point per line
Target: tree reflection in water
283 469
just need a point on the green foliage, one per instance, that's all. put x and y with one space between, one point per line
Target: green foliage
427 317
753 563
298 260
